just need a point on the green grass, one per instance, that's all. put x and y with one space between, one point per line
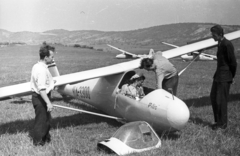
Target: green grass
76 133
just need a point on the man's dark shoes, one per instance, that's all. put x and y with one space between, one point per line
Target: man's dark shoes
218 126
38 143
47 138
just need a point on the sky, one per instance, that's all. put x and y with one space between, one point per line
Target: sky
112 15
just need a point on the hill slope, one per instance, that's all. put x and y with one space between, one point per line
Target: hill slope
173 33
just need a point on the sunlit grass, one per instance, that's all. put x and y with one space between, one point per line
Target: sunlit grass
76 133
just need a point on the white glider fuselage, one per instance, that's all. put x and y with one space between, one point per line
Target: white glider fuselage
159 108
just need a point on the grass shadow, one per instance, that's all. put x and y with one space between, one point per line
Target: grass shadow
167 135
205 100
199 121
17 126
20 101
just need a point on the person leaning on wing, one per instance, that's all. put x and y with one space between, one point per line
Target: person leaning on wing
166 73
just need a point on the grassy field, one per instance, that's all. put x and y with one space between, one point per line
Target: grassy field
78 134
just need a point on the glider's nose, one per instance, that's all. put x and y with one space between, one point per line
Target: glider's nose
178 114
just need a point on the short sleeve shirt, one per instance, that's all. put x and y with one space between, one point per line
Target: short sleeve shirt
41 78
163 66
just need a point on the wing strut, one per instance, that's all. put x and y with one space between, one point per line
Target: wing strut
88 112
188 65
79 110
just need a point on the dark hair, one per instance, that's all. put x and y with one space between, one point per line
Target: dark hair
142 77
131 81
217 29
45 50
146 63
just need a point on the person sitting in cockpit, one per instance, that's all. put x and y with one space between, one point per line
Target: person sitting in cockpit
133 88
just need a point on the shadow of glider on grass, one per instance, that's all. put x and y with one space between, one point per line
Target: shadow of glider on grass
99 87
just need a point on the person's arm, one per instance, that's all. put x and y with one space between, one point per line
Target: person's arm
46 99
160 78
232 59
123 90
141 92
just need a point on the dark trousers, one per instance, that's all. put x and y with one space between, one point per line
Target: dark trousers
171 84
40 132
219 98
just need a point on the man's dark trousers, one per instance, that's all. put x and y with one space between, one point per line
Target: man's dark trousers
171 84
40 133
219 98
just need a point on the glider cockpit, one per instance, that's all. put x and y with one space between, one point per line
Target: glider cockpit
126 77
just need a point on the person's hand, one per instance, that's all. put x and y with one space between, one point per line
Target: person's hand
137 98
49 107
151 53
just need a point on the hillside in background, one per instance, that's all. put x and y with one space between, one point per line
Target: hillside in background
173 33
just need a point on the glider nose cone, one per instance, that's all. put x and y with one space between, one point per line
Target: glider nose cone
178 114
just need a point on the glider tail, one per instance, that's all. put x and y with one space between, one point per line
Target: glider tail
53 69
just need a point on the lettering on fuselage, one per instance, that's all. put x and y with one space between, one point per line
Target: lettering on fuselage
152 106
82 91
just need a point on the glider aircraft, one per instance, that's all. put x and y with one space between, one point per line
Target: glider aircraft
186 57
100 88
125 54
190 56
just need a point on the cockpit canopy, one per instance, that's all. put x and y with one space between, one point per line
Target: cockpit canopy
133 137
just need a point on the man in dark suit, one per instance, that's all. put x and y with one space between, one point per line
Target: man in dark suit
223 77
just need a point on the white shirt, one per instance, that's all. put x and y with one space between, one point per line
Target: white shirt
132 92
41 78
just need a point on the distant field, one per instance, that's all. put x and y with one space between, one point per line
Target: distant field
78 134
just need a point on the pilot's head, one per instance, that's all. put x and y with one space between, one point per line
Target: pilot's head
141 80
137 79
